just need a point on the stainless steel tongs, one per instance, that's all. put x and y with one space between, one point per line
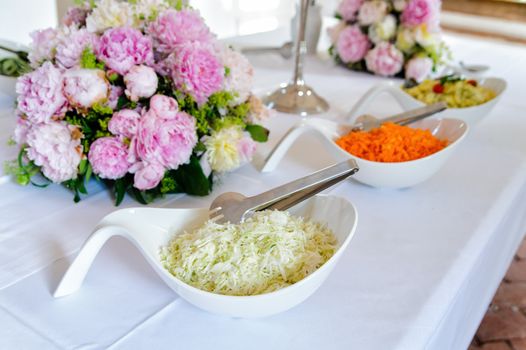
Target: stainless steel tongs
234 207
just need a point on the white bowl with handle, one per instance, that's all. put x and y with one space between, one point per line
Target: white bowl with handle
471 115
375 174
149 229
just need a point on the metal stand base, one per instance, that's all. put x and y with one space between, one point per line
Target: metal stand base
296 99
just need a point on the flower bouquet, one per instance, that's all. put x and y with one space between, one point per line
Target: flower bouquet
140 95
389 38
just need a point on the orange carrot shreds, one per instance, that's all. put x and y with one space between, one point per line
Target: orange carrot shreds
391 143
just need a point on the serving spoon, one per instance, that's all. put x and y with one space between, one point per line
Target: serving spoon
367 122
234 207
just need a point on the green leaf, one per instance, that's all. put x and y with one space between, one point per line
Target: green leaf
257 132
89 171
83 166
191 178
120 187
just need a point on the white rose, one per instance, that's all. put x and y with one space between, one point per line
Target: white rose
426 39
387 28
141 82
372 12
405 40
109 14
85 87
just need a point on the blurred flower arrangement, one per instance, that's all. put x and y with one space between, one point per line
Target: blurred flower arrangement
389 37
140 95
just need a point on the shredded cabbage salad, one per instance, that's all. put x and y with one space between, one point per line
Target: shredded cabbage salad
267 252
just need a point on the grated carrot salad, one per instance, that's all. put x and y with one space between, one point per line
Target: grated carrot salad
391 143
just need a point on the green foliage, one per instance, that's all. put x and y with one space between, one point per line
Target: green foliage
257 132
89 60
176 4
93 125
22 170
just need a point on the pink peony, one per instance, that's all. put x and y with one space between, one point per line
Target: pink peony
53 147
40 94
141 82
165 107
72 42
108 157
124 123
148 176
417 12
124 47
42 46
76 16
21 128
246 148
113 96
418 68
352 44
372 12
349 8
173 28
197 71
85 87
385 59
168 142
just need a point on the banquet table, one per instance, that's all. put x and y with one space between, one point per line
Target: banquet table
419 273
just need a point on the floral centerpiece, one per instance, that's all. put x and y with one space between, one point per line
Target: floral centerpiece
140 95
389 38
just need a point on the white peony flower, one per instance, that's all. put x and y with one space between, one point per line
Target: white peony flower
42 46
148 9
222 149
55 147
109 14
85 87
141 82
240 75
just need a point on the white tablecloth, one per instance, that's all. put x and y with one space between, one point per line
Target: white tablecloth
419 273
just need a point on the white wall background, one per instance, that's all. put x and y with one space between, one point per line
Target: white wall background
20 17
226 17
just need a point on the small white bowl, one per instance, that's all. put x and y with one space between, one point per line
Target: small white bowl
150 229
376 174
471 115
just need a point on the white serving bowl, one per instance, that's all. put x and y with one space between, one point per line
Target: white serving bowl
471 115
149 229
376 174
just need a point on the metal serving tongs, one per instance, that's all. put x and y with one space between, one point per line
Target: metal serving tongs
367 122
233 207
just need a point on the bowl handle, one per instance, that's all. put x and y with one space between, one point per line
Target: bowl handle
372 94
77 271
273 159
